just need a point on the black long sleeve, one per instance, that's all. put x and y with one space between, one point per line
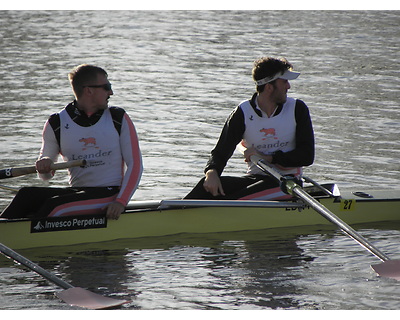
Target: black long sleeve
231 135
304 153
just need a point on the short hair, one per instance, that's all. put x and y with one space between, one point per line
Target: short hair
83 75
268 67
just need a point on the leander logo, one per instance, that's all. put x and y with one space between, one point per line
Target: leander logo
69 223
88 143
269 133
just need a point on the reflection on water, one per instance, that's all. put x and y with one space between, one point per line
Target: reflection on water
271 269
179 80
233 275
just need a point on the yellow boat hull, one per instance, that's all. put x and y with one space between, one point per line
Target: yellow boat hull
155 222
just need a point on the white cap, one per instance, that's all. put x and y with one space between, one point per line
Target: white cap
287 75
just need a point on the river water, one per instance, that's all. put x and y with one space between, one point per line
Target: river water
179 74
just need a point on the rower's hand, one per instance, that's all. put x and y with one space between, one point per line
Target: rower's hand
114 210
247 153
44 165
212 183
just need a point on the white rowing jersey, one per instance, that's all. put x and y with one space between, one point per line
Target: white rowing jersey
98 145
112 159
270 134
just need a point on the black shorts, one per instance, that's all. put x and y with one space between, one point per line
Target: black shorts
246 187
46 201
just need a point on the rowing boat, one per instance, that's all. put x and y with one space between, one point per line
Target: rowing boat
169 217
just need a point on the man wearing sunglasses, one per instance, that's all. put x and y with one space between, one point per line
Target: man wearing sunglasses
86 129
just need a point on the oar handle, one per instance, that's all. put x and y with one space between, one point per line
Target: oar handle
20 171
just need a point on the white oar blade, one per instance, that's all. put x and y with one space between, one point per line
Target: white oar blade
80 297
388 269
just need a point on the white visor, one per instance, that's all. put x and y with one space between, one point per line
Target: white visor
287 75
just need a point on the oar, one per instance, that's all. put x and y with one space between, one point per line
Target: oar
388 268
74 296
20 171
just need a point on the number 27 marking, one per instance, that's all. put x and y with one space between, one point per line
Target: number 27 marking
347 205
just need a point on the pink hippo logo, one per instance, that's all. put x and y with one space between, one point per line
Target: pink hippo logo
88 142
269 133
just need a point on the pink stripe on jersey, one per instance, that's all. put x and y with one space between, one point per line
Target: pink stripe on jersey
133 174
91 206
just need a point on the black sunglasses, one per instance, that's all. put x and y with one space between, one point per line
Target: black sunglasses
106 86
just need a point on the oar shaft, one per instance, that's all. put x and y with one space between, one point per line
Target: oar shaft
74 296
338 222
20 171
33 266
295 189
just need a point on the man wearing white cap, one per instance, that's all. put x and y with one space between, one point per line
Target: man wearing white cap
270 124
